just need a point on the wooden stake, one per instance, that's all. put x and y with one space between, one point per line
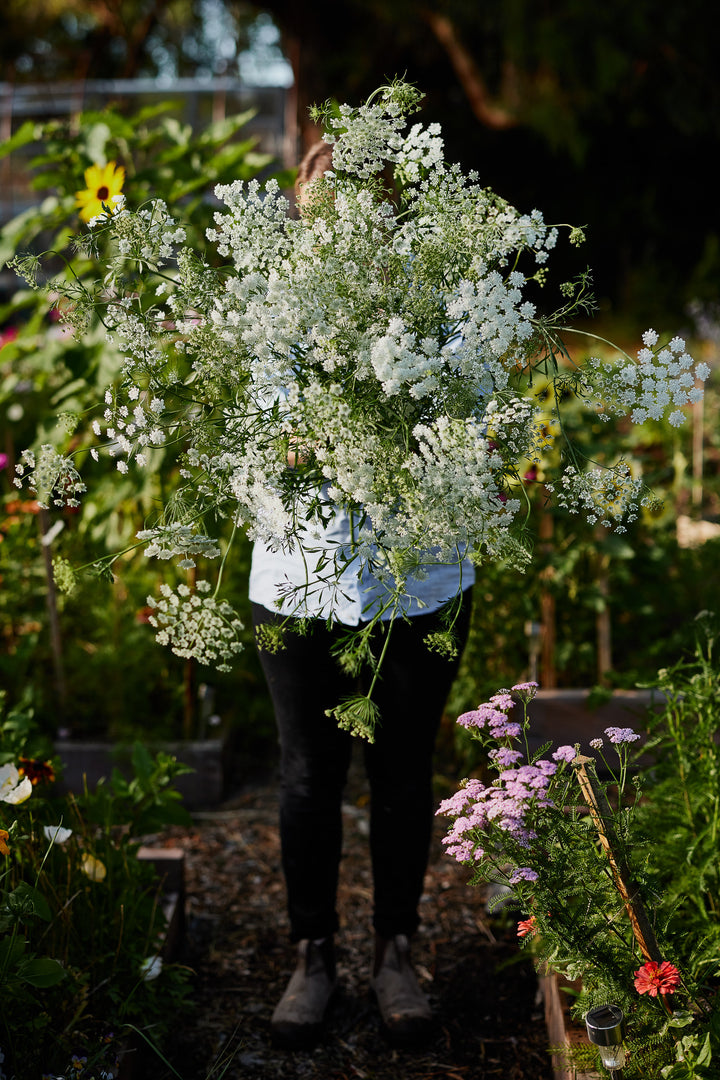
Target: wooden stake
601 814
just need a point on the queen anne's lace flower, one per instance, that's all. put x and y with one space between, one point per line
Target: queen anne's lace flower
167 541
605 496
53 478
376 353
195 624
655 387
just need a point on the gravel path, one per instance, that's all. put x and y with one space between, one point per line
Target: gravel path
489 1021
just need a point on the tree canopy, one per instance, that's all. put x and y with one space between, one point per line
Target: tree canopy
602 114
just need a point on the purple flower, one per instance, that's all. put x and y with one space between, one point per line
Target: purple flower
523 873
565 753
506 730
471 719
463 851
457 803
525 691
536 775
619 735
3 461
546 767
505 756
484 715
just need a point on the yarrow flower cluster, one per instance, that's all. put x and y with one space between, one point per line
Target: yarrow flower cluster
525 787
618 736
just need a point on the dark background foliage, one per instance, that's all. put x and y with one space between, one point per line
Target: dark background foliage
600 114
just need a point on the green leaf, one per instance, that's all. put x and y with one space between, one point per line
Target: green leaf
142 761
25 134
11 951
32 901
705 1055
222 130
41 973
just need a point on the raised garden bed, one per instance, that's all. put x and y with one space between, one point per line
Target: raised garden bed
564 1033
88 761
569 716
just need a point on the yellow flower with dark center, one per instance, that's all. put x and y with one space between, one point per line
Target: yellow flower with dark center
4 849
103 184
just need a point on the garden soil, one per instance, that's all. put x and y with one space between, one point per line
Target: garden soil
488 1014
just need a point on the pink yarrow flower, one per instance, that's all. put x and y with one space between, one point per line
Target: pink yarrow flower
524 691
618 735
565 753
523 873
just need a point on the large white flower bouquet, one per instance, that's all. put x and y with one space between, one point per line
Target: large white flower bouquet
376 353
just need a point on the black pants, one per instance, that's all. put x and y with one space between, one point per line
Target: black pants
304 680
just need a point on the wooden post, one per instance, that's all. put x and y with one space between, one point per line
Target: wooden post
603 625
548 679
53 617
601 814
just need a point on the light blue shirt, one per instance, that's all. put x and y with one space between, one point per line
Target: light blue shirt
305 588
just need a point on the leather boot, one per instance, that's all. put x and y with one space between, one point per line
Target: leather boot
298 1017
404 1008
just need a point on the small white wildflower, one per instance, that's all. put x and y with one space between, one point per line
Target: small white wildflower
56 834
150 968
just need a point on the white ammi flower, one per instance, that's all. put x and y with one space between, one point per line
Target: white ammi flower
382 353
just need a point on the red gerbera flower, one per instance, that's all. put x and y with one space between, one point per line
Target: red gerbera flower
653 978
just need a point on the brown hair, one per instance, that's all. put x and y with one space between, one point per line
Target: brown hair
316 161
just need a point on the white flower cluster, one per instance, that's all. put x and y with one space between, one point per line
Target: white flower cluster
132 428
364 139
380 353
166 541
662 381
455 496
149 236
399 361
253 229
52 477
421 149
195 624
515 421
605 496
